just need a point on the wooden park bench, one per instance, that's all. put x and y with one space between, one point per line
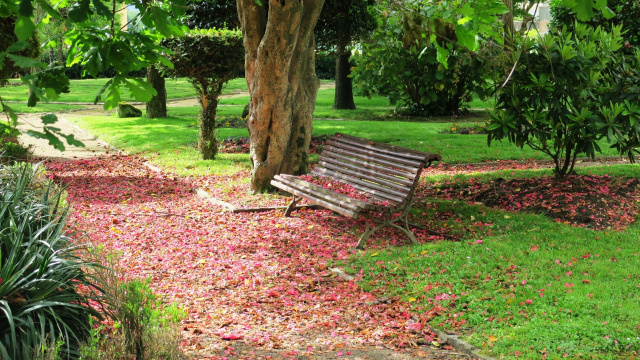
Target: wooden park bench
387 174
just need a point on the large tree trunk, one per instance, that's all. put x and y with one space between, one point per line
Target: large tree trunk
280 74
157 106
343 98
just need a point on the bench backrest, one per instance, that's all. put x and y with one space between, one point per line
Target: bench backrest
389 174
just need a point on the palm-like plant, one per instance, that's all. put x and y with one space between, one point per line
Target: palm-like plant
45 288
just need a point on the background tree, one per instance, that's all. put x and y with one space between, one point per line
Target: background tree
209 14
157 106
280 72
561 100
627 14
208 58
412 76
341 23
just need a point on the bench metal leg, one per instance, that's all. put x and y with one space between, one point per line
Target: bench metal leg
388 222
292 206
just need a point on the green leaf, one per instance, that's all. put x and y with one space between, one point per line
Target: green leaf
24 28
25 62
113 94
49 9
140 89
18 46
443 56
25 8
99 95
584 10
80 11
102 9
72 141
607 13
49 119
466 37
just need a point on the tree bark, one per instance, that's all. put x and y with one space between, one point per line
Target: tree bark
207 140
508 25
157 106
343 98
280 73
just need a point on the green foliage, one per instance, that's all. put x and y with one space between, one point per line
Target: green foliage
558 100
10 47
40 295
209 59
344 21
209 14
206 57
416 76
626 12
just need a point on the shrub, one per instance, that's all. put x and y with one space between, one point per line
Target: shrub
208 59
45 288
627 13
559 99
142 326
413 77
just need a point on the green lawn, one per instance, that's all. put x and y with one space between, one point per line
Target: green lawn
527 286
42 107
85 91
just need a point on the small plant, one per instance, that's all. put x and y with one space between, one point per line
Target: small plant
41 272
559 98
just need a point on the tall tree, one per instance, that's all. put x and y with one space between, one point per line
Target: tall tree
341 23
280 71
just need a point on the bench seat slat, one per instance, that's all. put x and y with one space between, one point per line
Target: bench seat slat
302 185
375 154
350 168
364 186
346 212
359 174
372 159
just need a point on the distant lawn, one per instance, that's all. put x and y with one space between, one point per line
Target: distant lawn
42 108
85 91
171 142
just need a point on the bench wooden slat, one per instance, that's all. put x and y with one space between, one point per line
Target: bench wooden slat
370 165
364 186
352 167
375 155
346 212
302 185
428 157
409 169
404 190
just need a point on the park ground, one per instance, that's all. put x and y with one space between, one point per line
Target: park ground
516 263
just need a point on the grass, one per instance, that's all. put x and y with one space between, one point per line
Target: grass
85 91
162 139
42 108
530 287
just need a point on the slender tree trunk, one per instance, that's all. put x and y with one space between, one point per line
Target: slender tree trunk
207 141
280 74
508 25
157 106
344 86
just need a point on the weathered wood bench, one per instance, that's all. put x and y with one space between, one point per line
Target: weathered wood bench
387 174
